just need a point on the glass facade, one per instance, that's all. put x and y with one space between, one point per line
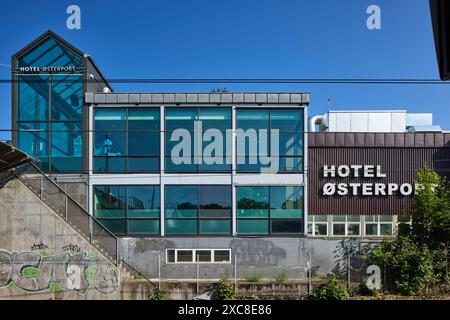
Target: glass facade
128 210
181 155
204 210
126 140
289 153
49 107
269 210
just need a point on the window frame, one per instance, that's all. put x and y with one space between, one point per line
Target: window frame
197 166
378 224
346 224
49 121
126 156
198 218
125 218
194 256
301 133
269 219
313 223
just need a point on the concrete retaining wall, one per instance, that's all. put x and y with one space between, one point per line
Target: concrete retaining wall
268 256
43 258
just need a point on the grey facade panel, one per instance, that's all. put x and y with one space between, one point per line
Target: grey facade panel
89 97
183 97
284 98
249 98
180 98
169 97
122 98
214 98
272 98
238 97
296 97
146 98
191 98
203 97
111 98
134 98
227 97
99 98
157 98
261 98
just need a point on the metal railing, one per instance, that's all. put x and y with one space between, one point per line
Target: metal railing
70 211
135 273
75 215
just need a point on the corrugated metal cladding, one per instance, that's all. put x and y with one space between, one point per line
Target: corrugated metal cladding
399 154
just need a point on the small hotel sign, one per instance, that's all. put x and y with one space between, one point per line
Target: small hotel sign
47 69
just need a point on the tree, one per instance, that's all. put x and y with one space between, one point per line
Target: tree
419 257
431 217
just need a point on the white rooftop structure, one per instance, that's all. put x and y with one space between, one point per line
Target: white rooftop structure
373 121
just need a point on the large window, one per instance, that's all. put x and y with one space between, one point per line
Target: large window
128 210
269 210
50 128
192 210
211 137
288 154
126 140
49 106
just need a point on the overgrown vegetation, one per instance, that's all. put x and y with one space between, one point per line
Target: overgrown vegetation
418 257
225 289
332 290
158 294
365 290
254 276
281 277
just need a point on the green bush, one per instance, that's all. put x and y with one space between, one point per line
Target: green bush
225 289
332 290
410 265
158 294
281 277
364 290
254 277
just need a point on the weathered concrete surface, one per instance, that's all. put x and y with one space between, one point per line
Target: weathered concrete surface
269 256
43 258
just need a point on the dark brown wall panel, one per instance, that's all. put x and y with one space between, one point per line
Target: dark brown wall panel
399 163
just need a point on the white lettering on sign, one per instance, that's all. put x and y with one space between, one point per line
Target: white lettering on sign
47 69
365 189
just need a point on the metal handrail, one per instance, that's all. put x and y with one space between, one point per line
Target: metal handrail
139 273
118 259
93 219
73 200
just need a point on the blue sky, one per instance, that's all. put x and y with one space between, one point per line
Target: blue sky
246 39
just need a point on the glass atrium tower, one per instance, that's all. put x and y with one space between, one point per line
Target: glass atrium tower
128 156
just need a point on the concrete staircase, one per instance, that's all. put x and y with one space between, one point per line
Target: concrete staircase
85 225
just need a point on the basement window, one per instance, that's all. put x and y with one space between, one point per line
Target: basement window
198 256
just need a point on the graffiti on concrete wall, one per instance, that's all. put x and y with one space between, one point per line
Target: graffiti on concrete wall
260 252
34 272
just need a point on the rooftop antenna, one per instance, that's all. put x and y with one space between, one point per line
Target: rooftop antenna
330 98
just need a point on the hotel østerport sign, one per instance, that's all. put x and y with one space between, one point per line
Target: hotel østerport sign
362 172
47 69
